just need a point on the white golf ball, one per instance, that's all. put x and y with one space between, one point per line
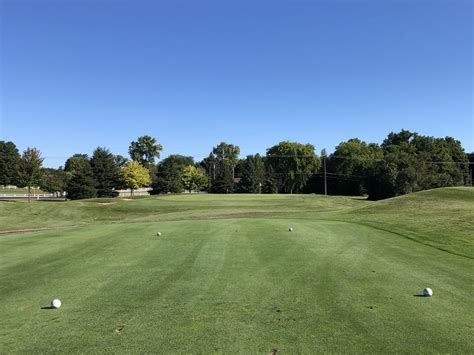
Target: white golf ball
158 234
290 229
56 303
428 292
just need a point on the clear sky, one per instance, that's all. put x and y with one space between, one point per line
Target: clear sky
80 74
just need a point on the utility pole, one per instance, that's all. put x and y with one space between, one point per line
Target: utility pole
325 177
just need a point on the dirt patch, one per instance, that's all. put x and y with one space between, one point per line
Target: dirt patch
27 230
105 203
228 216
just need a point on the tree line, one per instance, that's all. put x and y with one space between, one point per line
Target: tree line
405 162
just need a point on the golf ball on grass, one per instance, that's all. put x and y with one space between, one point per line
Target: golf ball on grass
158 234
427 292
55 303
290 229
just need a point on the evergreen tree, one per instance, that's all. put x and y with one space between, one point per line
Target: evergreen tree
9 163
221 165
252 174
224 177
169 174
81 183
105 171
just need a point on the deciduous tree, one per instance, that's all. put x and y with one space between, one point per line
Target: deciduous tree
145 150
350 165
53 180
135 175
194 178
30 168
413 162
293 163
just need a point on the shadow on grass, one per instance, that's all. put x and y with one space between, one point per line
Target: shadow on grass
48 307
419 295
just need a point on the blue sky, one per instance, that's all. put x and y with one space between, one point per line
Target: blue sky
80 74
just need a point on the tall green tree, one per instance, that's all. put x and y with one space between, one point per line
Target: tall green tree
106 171
223 181
9 163
223 161
252 174
194 178
120 160
169 174
53 180
77 162
271 183
30 168
225 151
351 163
145 150
293 163
81 183
413 162
470 157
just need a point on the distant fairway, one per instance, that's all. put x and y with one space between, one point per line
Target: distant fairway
227 276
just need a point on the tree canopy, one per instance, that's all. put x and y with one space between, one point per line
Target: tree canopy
135 175
252 174
9 163
81 183
293 163
169 174
412 162
350 165
194 178
106 172
30 168
53 180
404 162
145 150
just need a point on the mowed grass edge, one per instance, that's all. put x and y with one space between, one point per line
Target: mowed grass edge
244 285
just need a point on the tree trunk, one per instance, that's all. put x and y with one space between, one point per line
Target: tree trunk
29 193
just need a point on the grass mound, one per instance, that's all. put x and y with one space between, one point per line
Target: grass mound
441 218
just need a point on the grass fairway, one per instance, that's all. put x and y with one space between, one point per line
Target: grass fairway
227 276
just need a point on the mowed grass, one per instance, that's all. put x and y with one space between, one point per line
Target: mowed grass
227 276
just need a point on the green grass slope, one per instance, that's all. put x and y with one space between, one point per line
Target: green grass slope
227 276
441 218
43 214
